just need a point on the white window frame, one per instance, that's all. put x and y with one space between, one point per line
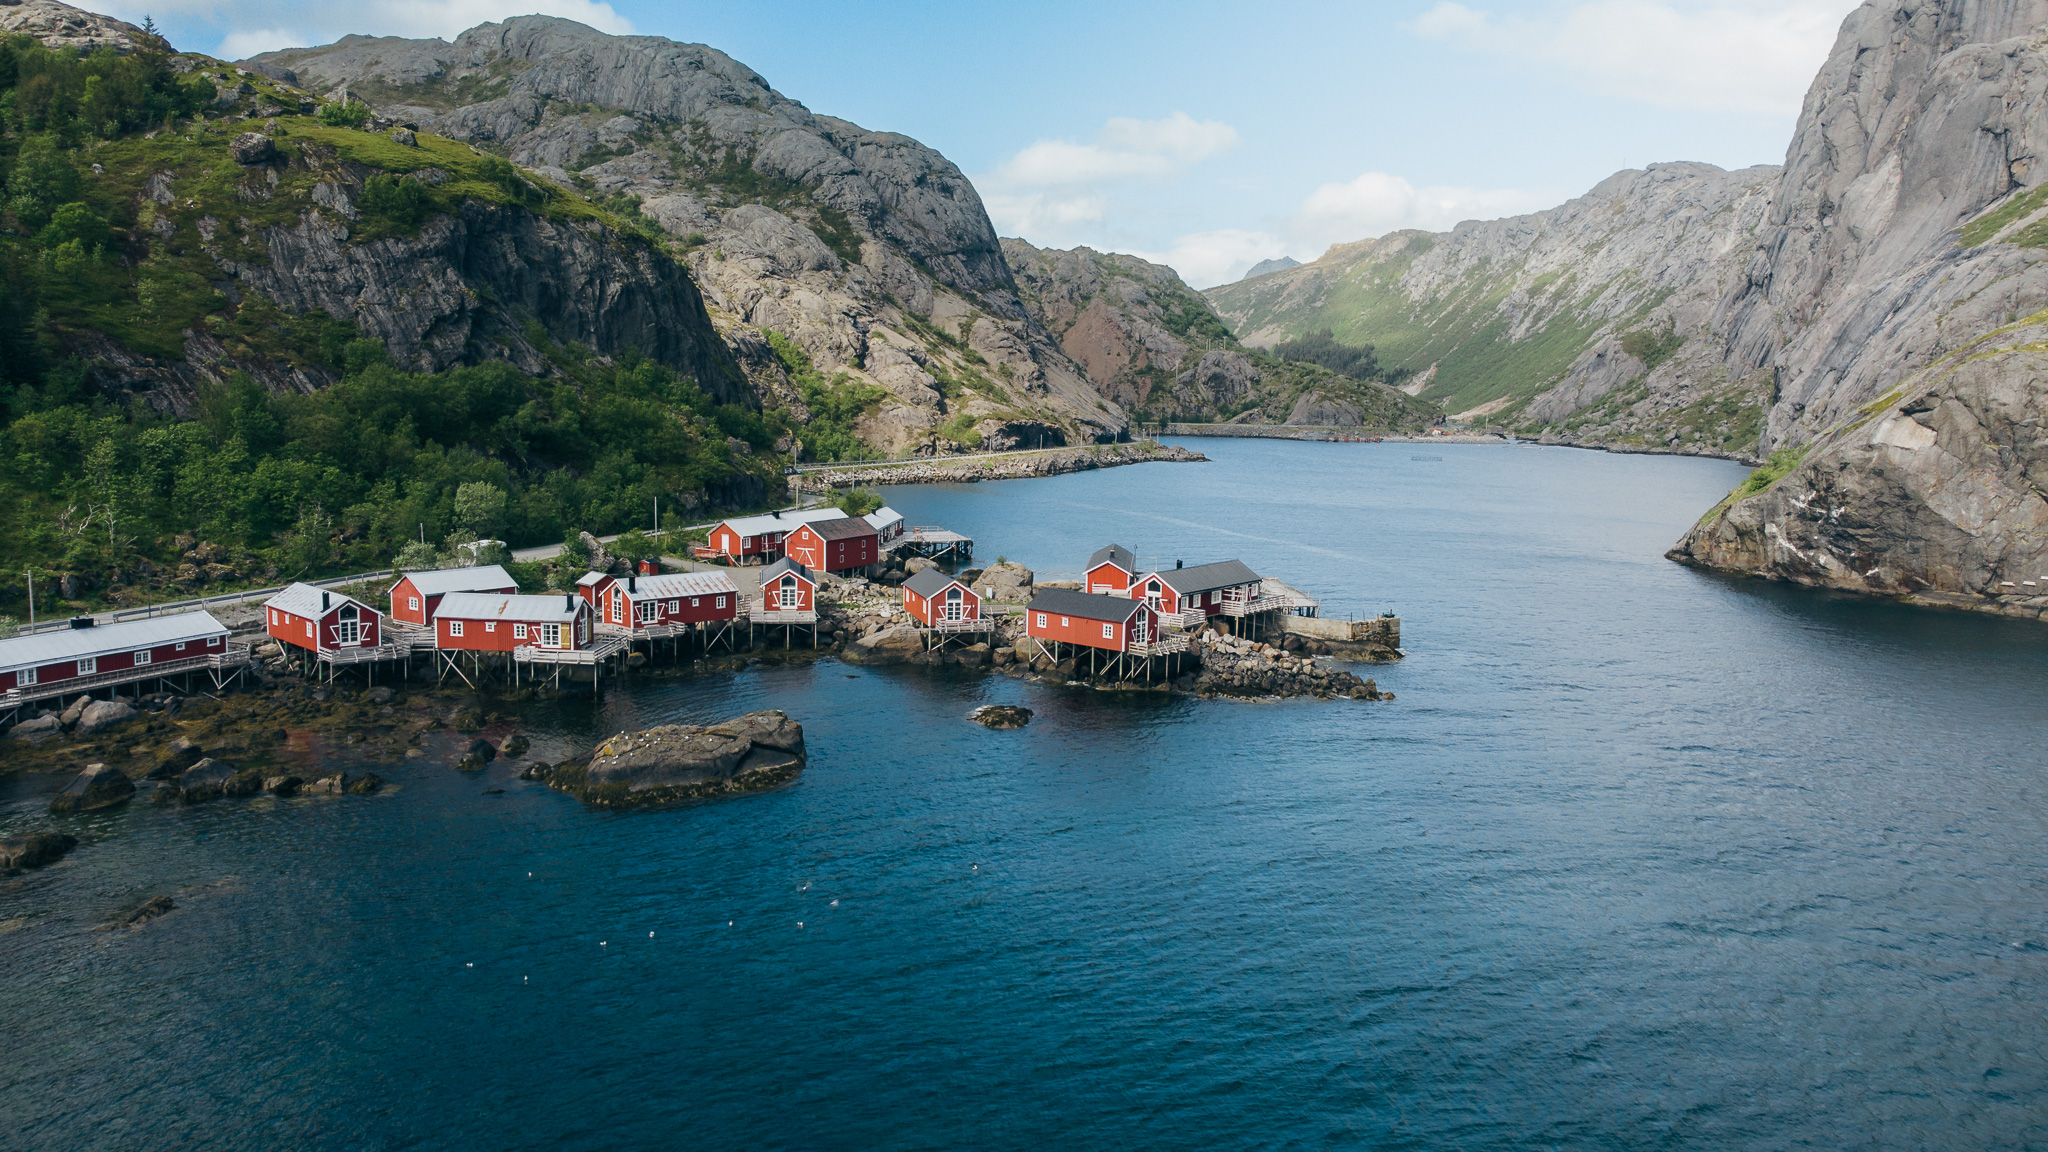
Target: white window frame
1109 631
309 629
646 611
412 603
675 606
181 646
490 625
138 659
1066 623
550 635
519 631
455 628
213 641
24 677
88 665
1041 619
721 602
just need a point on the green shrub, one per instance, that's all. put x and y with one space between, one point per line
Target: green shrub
400 200
1652 347
348 115
858 501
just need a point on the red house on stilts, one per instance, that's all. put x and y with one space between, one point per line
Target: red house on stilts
1110 571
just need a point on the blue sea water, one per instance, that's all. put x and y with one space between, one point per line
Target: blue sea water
1639 858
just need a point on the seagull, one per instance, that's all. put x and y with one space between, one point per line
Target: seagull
472 965
835 903
601 943
799 923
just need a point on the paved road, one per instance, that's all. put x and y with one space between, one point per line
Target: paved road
932 459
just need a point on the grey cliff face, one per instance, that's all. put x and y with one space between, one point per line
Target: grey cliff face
1897 299
867 250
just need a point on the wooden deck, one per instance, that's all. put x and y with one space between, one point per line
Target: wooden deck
230 662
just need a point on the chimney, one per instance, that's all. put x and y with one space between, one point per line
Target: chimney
569 602
1178 563
632 583
323 602
83 621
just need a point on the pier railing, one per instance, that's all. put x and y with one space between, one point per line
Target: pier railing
232 656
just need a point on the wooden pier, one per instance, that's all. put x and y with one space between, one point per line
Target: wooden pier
220 670
933 543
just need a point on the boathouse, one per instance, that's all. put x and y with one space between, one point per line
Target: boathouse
787 586
417 595
640 603
320 620
1110 570
840 545
1091 620
87 656
941 602
758 539
487 622
1191 595
888 524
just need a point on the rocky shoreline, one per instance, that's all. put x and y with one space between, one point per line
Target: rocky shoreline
1017 466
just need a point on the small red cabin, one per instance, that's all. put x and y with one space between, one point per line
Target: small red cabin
48 659
759 538
479 622
317 620
1205 588
932 597
787 586
677 598
1109 571
417 595
1092 620
839 545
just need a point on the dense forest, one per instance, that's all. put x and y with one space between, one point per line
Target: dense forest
132 503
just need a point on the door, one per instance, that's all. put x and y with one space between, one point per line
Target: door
953 609
1138 628
349 631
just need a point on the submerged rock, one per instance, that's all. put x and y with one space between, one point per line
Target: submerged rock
146 911
1001 716
180 755
680 762
514 746
34 850
97 787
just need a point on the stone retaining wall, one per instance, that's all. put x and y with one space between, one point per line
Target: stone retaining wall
1378 630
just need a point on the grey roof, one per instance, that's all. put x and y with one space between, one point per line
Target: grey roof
786 565
1086 605
303 601
844 528
72 643
439 581
1117 554
1204 577
930 581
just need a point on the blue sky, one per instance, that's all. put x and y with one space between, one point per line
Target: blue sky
1212 135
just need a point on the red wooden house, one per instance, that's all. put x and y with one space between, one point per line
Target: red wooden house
1207 589
936 600
787 586
839 545
32 664
1091 620
652 601
417 595
1110 570
320 620
482 622
758 539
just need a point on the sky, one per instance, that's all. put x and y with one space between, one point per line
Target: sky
1207 135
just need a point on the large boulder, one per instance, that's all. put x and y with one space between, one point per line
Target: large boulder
181 754
1005 583
252 148
103 714
37 730
1001 716
33 850
678 762
97 787
892 645
205 780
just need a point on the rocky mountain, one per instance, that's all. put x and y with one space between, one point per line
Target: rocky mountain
1898 295
1153 345
843 266
1276 264
1592 321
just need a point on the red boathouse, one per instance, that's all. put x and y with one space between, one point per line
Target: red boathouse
320 620
417 595
936 600
839 545
480 622
1110 571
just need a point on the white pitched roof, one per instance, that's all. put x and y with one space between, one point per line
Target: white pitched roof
882 518
73 643
589 578
678 584
486 606
787 522
436 581
303 600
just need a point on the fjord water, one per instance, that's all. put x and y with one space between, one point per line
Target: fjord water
1639 857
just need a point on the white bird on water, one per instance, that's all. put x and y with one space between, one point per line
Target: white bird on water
835 903
601 943
650 935
470 965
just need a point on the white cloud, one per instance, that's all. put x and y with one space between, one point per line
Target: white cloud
1753 56
1051 187
253 26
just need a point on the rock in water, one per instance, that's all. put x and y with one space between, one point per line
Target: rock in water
205 780
363 785
892 645
1001 716
514 746
103 714
181 754
97 787
148 910
680 762
34 850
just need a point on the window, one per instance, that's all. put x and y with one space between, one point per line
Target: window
213 641
24 677
490 625
644 613
412 603
550 635
309 629
276 617
1066 623
455 627
181 645
721 602
88 666
519 631
141 658
1041 619
1109 631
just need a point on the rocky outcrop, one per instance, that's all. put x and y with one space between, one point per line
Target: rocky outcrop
33 850
679 762
869 252
1897 297
1152 344
36 729
1001 716
1595 321
97 787
1016 467
62 26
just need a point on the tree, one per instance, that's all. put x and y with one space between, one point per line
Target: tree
416 556
479 510
858 501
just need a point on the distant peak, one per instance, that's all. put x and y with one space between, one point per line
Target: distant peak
1276 264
